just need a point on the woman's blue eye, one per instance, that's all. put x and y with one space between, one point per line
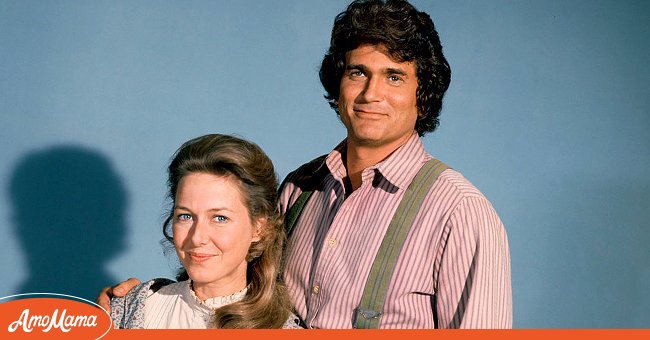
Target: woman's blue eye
184 217
220 218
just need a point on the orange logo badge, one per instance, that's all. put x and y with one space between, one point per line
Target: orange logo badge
40 315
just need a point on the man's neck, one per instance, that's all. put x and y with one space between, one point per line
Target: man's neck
359 157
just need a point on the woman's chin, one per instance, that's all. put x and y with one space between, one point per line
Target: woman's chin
199 276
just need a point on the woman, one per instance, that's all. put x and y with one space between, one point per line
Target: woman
228 235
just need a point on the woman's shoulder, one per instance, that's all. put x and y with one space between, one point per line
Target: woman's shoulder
144 289
128 311
293 322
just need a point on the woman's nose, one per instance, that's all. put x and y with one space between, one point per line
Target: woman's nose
199 233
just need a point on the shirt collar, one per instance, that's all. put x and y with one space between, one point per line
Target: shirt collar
335 161
398 168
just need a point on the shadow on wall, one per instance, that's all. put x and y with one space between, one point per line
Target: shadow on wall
69 214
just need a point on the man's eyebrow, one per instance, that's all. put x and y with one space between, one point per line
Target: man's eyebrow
399 71
389 70
355 67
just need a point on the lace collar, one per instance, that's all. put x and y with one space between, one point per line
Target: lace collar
215 302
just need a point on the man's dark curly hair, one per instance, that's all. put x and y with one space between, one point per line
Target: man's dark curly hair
408 35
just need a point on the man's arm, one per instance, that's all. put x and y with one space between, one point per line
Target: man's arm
121 289
474 286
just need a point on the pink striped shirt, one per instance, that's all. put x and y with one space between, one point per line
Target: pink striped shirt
454 269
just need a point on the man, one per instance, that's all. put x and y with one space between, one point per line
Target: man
385 76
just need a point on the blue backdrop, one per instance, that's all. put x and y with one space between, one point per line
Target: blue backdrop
548 114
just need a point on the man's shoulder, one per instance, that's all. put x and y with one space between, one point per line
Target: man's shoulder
307 175
452 181
310 167
453 191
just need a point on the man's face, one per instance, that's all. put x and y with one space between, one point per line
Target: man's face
377 101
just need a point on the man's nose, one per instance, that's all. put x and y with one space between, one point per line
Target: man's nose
373 91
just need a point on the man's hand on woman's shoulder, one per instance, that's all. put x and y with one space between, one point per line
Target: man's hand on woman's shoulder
104 297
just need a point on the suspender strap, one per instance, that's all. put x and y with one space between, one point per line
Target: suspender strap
370 310
294 212
309 180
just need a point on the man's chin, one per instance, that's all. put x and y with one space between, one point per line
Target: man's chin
370 140
366 137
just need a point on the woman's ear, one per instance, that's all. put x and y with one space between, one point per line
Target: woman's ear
258 229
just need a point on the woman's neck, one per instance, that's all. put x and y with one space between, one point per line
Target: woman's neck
211 290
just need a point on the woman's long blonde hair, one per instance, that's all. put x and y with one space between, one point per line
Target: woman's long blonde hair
266 303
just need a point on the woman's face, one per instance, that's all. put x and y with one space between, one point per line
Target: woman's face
213 232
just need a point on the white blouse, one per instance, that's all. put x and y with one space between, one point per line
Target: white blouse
176 306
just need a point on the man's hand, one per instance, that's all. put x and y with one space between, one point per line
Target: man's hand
104 297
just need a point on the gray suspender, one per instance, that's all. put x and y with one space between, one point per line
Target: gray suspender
294 212
371 307
369 312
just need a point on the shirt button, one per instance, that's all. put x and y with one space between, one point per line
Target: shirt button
315 289
331 242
